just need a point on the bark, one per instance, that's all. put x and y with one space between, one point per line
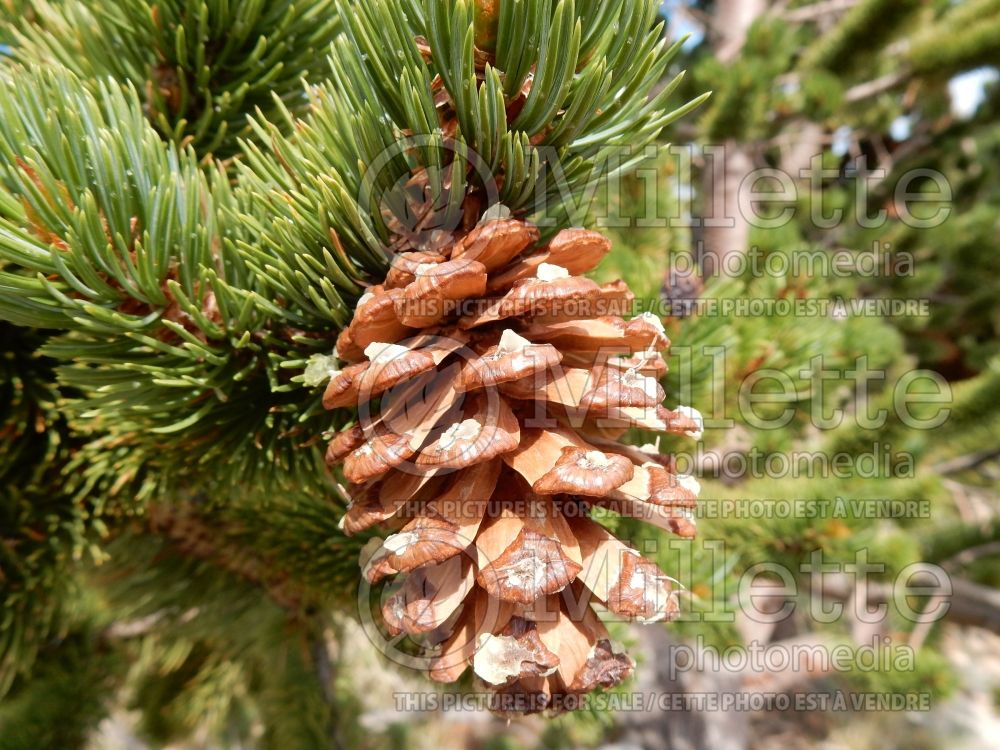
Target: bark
726 231
726 228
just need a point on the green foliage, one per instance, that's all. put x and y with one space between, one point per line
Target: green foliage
789 347
41 531
952 267
381 140
222 614
747 98
966 36
114 238
29 401
200 67
864 30
68 694
94 199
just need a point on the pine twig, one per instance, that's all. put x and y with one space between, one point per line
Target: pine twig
965 463
818 10
876 86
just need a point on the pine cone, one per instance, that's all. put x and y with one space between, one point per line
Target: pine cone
493 382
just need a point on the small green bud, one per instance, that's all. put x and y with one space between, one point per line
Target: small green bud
320 369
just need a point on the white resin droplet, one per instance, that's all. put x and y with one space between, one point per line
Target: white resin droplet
397 544
689 483
653 320
695 416
320 369
425 268
549 272
381 353
499 657
511 343
595 460
467 430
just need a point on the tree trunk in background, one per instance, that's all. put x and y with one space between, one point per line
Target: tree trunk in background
733 18
726 231
680 730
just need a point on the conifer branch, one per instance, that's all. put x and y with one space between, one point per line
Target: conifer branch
199 66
